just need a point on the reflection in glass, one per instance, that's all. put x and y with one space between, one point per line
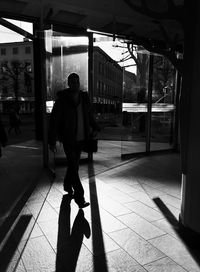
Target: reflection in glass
135 103
163 108
120 89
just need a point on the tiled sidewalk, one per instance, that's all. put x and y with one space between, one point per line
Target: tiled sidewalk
125 229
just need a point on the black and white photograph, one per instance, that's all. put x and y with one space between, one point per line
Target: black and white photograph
99 136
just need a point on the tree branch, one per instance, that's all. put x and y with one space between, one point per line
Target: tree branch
154 48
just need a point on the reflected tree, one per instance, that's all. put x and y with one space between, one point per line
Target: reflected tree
12 71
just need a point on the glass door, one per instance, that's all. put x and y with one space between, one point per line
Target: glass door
135 103
148 105
108 87
69 54
49 98
163 105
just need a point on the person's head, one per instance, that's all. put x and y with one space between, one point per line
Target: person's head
74 82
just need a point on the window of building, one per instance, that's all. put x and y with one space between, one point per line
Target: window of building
3 51
15 50
27 50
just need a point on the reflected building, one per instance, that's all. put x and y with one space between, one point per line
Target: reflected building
107 76
16 75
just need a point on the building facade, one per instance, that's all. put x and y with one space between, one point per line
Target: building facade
16 76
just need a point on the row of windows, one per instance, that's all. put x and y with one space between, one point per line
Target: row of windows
101 100
15 50
105 89
108 72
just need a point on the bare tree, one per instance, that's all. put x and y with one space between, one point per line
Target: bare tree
141 60
171 45
12 71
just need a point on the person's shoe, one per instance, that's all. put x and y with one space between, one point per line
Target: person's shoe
83 204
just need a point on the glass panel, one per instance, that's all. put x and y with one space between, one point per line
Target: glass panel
49 95
107 91
163 107
69 54
135 95
120 92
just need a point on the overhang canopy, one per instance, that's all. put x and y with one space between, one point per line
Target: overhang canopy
159 21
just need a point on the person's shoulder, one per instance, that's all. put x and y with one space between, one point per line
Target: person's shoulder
60 94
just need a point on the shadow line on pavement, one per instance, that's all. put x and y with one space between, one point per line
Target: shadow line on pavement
99 255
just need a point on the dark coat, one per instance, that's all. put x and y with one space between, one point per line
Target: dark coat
63 118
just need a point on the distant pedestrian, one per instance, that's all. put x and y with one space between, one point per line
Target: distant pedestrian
72 122
3 136
14 121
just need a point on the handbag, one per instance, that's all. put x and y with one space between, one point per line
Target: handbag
90 145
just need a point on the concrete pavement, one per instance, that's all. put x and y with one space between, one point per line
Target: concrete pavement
124 229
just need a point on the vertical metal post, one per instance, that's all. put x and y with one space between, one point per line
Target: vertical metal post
90 76
90 67
177 111
43 90
149 103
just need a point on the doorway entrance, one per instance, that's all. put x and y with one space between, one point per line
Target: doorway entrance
132 91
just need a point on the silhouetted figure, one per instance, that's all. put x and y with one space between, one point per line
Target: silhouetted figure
14 121
72 122
3 136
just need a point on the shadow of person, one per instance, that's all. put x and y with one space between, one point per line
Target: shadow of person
70 240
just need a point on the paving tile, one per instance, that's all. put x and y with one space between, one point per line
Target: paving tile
119 260
125 188
112 206
99 242
164 265
112 192
36 197
145 199
144 211
85 261
34 208
166 226
31 230
178 252
15 266
39 256
141 226
54 201
171 188
121 218
170 211
74 257
138 248
50 230
47 213
20 267
107 221
173 201
152 192
156 184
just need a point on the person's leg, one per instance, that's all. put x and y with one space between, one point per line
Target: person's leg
69 172
72 181
72 175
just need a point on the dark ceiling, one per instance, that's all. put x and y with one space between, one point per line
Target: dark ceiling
155 20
